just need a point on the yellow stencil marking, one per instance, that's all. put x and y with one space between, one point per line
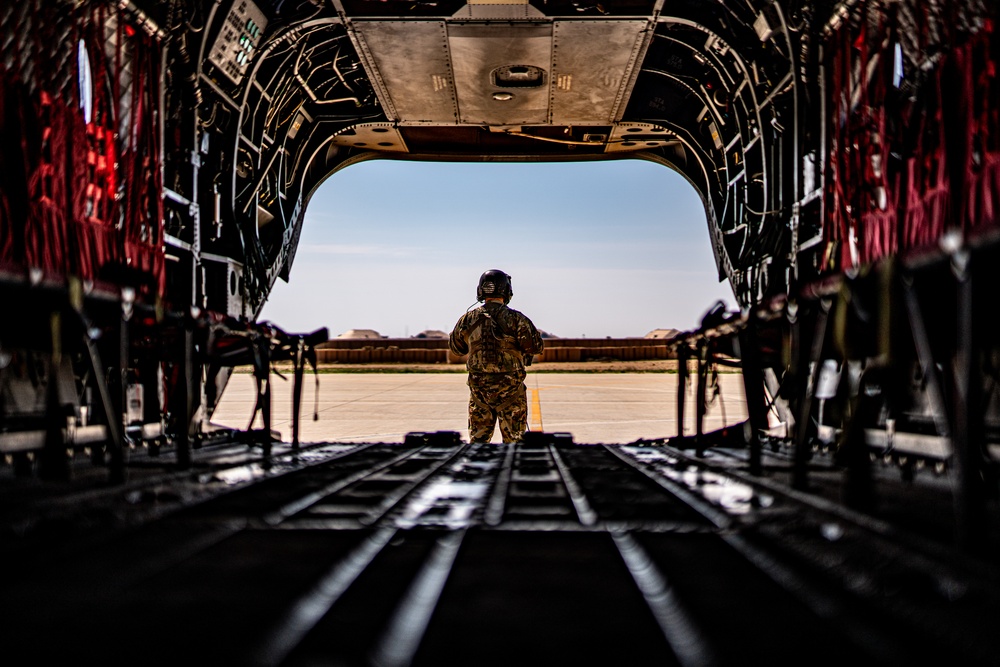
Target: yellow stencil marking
536 411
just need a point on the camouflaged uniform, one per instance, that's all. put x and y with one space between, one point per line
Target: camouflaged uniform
496 338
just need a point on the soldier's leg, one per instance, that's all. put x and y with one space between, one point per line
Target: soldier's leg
513 413
482 418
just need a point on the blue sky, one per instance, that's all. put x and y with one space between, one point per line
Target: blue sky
595 249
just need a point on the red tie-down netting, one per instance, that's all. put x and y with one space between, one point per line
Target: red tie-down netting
900 172
80 193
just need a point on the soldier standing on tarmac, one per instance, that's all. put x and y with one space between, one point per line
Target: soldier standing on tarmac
500 342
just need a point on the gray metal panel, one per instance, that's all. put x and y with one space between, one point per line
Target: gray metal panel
412 61
236 44
591 64
479 49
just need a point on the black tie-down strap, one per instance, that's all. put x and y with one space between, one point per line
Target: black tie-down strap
260 349
248 346
299 349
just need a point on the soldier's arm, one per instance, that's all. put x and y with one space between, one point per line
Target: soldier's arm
528 337
457 341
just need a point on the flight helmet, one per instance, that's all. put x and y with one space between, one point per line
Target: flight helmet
494 284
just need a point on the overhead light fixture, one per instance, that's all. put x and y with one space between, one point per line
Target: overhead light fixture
501 96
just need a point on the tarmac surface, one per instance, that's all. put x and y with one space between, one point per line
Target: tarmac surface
606 407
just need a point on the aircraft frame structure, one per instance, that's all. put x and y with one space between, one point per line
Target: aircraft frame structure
158 156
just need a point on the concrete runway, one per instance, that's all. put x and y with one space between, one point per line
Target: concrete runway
384 407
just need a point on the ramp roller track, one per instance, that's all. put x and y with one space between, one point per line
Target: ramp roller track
439 552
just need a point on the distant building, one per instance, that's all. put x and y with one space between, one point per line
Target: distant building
546 334
431 333
360 333
662 333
